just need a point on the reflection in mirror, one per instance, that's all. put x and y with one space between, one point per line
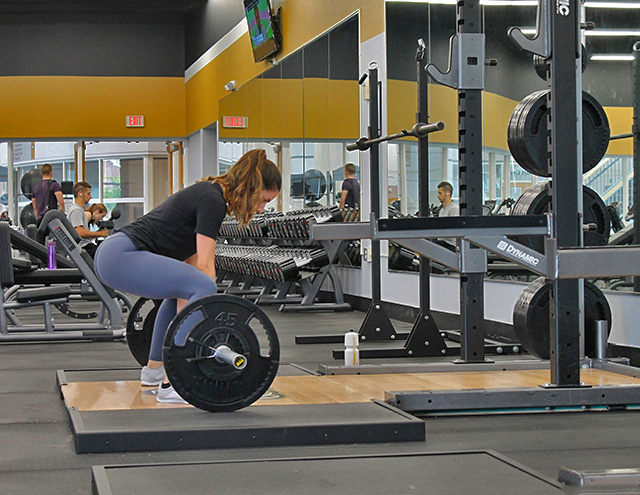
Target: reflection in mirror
315 186
607 76
304 109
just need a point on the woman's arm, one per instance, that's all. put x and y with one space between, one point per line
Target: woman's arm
203 260
60 199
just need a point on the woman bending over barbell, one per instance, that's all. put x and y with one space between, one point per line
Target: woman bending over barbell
169 253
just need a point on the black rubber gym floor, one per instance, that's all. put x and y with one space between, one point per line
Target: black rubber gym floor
38 455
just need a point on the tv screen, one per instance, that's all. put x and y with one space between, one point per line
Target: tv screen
262 30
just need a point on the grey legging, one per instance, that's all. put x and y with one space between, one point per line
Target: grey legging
122 266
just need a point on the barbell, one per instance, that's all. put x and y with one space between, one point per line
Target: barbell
226 361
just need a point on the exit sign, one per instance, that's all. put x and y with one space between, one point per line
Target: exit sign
135 121
235 122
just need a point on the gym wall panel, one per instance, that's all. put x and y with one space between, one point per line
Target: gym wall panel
402 108
497 111
302 21
316 106
68 106
330 109
292 108
274 108
620 122
343 109
254 96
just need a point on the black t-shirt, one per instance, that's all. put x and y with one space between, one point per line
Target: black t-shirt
45 194
353 195
170 228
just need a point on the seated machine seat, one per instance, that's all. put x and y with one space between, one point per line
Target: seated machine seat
72 239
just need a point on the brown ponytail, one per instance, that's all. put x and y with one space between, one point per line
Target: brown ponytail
101 208
244 182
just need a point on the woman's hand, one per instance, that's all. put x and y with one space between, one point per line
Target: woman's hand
204 260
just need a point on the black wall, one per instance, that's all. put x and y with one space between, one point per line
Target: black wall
92 45
332 56
207 23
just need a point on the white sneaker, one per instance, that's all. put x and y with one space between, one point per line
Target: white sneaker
150 377
169 395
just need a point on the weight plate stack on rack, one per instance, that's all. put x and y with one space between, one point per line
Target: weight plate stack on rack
531 317
528 134
537 201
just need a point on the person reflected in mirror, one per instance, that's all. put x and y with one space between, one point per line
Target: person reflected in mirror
350 197
46 194
449 208
80 220
95 213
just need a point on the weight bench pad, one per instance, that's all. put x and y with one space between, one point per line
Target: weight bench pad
42 294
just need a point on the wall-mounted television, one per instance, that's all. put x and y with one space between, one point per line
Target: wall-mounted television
263 28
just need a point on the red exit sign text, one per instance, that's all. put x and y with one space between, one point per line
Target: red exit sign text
135 121
235 122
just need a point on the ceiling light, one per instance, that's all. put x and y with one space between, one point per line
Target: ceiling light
613 5
519 3
619 57
612 32
527 3
488 3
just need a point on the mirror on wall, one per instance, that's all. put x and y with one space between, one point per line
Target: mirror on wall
607 77
304 111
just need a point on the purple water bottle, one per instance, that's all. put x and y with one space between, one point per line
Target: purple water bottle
52 258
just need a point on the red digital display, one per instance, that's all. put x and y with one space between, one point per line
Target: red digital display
235 122
135 121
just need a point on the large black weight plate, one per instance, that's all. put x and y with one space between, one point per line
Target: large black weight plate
527 134
206 383
542 65
140 328
531 317
30 179
537 201
27 216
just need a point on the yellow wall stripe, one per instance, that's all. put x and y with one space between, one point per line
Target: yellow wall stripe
65 106
443 105
274 108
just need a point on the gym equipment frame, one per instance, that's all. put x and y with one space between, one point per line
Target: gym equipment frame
309 284
56 225
563 262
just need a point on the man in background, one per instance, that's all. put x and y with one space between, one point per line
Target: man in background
79 219
350 197
46 194
449 208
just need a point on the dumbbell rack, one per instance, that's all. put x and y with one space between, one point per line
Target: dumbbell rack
285 231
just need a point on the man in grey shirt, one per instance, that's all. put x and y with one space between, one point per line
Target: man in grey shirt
79 219
449 208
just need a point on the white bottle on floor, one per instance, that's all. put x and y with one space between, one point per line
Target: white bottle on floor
351 351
